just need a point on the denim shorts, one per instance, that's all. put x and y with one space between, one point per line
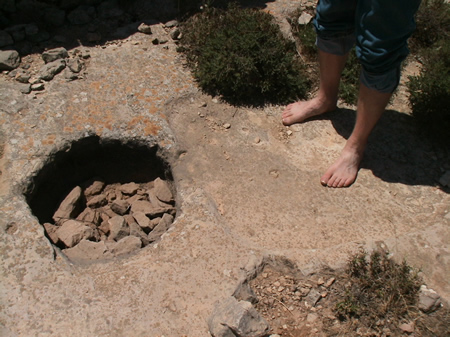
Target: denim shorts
379 28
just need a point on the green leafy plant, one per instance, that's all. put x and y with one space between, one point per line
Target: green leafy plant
378 288
349 85
430 94
241 55
433 24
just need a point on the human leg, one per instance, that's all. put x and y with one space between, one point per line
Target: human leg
334 25
381 47
330 73
371 105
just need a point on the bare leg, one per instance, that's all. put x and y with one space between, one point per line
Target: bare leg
371 105
330 66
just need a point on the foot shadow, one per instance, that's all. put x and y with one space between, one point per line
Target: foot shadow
395 152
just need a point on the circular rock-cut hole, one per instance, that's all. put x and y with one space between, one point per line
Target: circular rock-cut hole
103 198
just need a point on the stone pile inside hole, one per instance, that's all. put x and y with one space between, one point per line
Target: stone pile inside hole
98 221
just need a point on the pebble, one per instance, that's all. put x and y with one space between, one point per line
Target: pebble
227 125
407 327
330 282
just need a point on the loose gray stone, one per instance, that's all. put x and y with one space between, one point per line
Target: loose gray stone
120 207
313 297
70 207
87 250
162 190
429 300
75 65
304 19
157 203
70 76
22 76
51 232
94 187
90 215
48 71
175 34
104 227
9 60
129 188
124 246
171 24
161 228
136 230
231 318
55 54
25 88
144 28
245 293
37 87
5 39
143 221
72 231
407 327
118 228
143 206
97 201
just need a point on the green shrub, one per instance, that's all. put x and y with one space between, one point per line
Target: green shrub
349 85
430 93
433 24
241 55
378 288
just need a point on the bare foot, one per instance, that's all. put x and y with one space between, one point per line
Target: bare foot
299 111
345 169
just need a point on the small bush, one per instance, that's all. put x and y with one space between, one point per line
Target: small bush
430 94
349 85
433 24
379 288
306 37
241 55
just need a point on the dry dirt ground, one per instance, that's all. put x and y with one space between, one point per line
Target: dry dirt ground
247 190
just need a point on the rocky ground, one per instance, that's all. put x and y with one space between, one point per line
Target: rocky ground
247 191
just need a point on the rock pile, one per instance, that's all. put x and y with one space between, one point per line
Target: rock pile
97 221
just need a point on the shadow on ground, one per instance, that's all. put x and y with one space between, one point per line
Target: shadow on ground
396 153
77 24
